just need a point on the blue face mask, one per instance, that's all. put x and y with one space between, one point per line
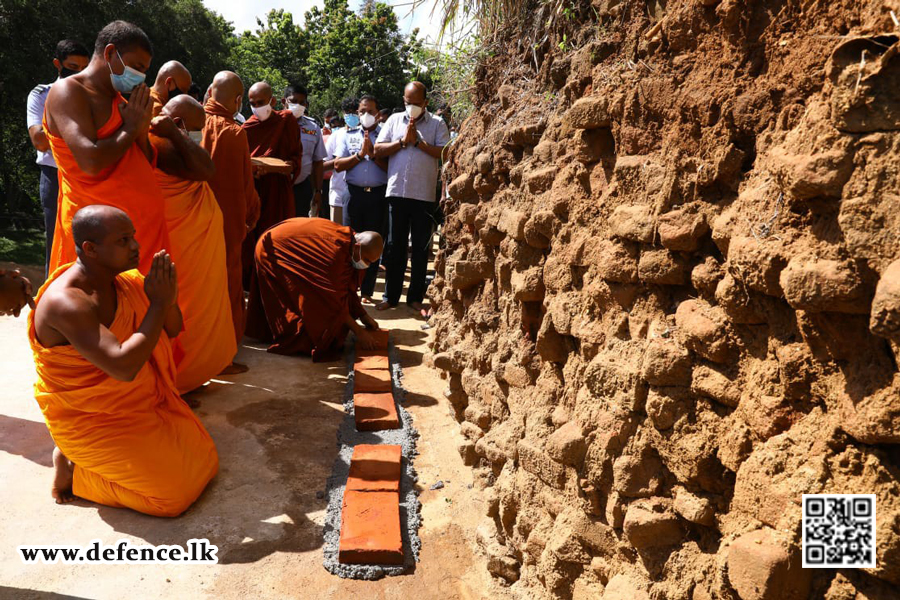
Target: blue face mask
351 120
128 80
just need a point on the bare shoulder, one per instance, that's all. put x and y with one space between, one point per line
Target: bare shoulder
64 301
66 91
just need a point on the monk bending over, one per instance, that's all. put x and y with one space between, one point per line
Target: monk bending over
304 293
207 344
106 375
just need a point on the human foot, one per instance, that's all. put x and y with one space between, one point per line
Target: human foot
64 471
384 305
234 368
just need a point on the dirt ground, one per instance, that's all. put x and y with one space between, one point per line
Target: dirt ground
275 429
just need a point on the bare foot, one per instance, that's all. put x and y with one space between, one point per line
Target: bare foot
384 305
419 308
367 300
64 471
234 368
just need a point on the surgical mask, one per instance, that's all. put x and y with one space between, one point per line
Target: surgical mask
262 112
358 264
351 120
65 72
367 120
128 80
296 109
413 111
196 136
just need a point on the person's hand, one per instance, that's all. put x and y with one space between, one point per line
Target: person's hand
365 340
161 284
411 134
138 111
368 148
15 293
164 127
370 323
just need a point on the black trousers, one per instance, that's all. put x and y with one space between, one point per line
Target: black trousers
303 194
367 210
408 219
49 191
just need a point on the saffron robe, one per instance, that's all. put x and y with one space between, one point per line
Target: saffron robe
134 443
278 137
195 229
129 185
235 192
304 288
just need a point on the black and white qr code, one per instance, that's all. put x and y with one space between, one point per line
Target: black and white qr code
839 530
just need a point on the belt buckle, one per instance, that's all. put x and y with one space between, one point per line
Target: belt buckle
367 190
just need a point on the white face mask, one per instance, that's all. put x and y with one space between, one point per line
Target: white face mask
196 136
296 109
262 112
367 120
413 111
358 264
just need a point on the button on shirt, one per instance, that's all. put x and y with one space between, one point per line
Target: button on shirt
411 172
366 173
313 146
35 114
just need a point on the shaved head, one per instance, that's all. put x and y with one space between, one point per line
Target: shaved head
186 109
228 90
92 223
172 79
260 94
371 245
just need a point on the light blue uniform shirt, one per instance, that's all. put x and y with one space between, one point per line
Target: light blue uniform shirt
411 172
366 173
34 115
313 146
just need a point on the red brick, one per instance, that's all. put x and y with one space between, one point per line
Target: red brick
370 529
375 411
375 468
365 380
372 361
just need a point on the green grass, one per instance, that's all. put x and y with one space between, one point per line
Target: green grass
22 247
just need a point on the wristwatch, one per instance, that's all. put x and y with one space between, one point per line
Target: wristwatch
402 144
359 157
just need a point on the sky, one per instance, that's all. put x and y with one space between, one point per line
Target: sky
243 14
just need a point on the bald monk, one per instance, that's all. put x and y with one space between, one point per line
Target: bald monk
272 133
194 221
100 142
303 295
106 375
233 186
172 79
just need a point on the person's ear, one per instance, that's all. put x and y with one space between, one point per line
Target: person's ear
89 249
108 52
272 102
57 64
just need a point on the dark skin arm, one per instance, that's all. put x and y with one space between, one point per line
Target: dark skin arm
69 112
38 138
72 315
178 155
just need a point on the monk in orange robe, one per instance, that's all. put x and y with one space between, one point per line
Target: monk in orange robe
194 221
100 142
172 79
232 185
276 134
304 295
106 375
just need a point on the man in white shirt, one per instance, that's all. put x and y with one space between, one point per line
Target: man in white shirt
71 58
308 183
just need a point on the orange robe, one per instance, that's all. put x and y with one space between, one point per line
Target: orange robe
197 247
236 195
276 137
129 185
134 443
304 287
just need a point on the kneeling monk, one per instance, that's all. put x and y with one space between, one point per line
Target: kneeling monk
106 375
303 293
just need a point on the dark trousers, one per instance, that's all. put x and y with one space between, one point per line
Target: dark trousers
407 217
49 191
367 210
303 194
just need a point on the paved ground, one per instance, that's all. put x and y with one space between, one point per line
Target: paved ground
275 429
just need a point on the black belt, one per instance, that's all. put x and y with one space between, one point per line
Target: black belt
367 190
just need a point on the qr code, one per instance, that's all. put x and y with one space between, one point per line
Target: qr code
839 530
